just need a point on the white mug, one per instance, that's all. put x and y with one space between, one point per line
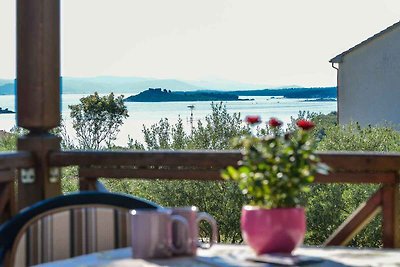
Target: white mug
152 233
191 242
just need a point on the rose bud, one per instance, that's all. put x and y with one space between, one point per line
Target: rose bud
253 119
305 125
274 123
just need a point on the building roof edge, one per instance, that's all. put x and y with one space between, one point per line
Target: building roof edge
339 58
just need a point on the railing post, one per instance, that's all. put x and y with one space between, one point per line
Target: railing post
39 184
38 94
391 215
396 218
87 184
7 195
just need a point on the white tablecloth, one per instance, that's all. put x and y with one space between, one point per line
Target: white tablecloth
237 255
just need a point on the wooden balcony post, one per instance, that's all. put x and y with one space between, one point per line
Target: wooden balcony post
38 94
397 214
391 215
38 64
43 185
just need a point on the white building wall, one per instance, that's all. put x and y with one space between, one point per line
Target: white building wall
369 82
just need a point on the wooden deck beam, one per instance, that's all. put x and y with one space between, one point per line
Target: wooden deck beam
355 162
146 158
169 174
20 159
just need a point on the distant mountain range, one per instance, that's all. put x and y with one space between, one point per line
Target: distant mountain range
6 88
135 85
4 81
131 85
310 92
223 85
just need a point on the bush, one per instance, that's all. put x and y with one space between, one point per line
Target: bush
8 141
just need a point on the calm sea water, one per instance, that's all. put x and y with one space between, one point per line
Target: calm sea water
149 113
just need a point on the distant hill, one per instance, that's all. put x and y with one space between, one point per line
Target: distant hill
5 111
107 84
164 95
5 81
224 85
7 89
131 85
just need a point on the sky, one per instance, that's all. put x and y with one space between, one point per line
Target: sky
271 42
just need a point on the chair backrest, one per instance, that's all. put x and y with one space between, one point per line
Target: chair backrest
68 226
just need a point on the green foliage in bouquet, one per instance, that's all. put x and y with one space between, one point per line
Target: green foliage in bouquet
275 168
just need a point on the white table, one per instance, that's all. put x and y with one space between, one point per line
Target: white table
236 255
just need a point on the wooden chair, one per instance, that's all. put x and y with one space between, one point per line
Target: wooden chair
67 226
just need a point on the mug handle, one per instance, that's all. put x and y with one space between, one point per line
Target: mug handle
180 220
204 216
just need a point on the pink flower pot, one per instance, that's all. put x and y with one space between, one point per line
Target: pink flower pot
273 230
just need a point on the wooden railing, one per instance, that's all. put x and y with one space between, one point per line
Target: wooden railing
346 167
13 160
9 162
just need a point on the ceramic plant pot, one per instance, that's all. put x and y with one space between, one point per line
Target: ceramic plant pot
273 230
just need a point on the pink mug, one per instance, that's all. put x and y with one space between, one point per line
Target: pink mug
152 233
191 242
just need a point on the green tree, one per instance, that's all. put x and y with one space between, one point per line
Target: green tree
97 120
218 131
215 132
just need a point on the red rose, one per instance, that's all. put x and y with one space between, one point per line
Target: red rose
305 125
253 119
274 122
